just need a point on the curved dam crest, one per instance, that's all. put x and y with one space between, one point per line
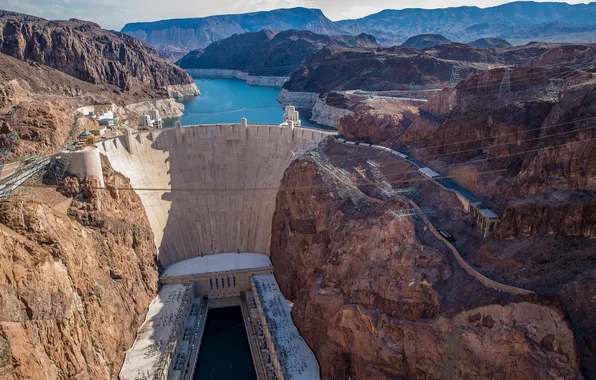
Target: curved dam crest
209 188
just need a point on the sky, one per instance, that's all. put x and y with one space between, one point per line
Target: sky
114 14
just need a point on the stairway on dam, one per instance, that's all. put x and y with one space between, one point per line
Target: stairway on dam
209 188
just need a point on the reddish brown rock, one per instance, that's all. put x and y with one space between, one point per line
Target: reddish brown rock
74 288
376 297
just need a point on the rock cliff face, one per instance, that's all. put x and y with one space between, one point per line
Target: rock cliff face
377 297
330 108
74 288
535 152
87 52
379 120
335 68
267 53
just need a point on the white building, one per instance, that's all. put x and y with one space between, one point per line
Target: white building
291 117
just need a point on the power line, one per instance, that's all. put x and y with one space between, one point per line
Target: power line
318 186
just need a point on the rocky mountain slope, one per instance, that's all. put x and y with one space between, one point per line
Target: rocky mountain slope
87 52
490 43
527 154
520 18
194 33
267 53
425 41
336 68
378 296
74 288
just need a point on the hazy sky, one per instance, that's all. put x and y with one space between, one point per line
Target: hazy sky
113 14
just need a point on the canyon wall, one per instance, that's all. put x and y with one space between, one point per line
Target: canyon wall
376 297
268 81
102 57
74 287
181 175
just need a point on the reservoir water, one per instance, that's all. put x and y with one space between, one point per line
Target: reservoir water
225 351
229 100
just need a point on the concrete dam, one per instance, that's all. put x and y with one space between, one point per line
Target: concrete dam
209 189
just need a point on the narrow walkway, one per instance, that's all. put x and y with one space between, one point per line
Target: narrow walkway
194 354
467 267
254 347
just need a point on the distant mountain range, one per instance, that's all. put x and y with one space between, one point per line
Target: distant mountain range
171 36
470 23
517 22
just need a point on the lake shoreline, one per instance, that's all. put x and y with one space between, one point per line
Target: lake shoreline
265 81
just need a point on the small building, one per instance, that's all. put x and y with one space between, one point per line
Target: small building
428 172
108 122
87 137
291 117
486 220
153 120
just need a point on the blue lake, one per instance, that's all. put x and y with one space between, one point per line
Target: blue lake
229 100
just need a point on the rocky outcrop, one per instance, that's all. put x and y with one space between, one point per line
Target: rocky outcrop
182 91
552 212
329 109
376 297
74 288
378 120
101 57
267 81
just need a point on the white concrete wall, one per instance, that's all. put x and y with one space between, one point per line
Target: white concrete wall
86 162
179 169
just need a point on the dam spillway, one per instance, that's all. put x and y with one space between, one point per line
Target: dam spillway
208 188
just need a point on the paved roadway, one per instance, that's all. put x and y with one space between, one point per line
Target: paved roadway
467 267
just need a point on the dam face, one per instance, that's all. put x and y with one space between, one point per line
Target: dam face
209 189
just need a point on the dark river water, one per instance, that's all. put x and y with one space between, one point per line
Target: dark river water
229 100
225 352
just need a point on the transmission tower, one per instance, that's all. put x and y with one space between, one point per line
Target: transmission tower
554 88
483 62
505 88
455 79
